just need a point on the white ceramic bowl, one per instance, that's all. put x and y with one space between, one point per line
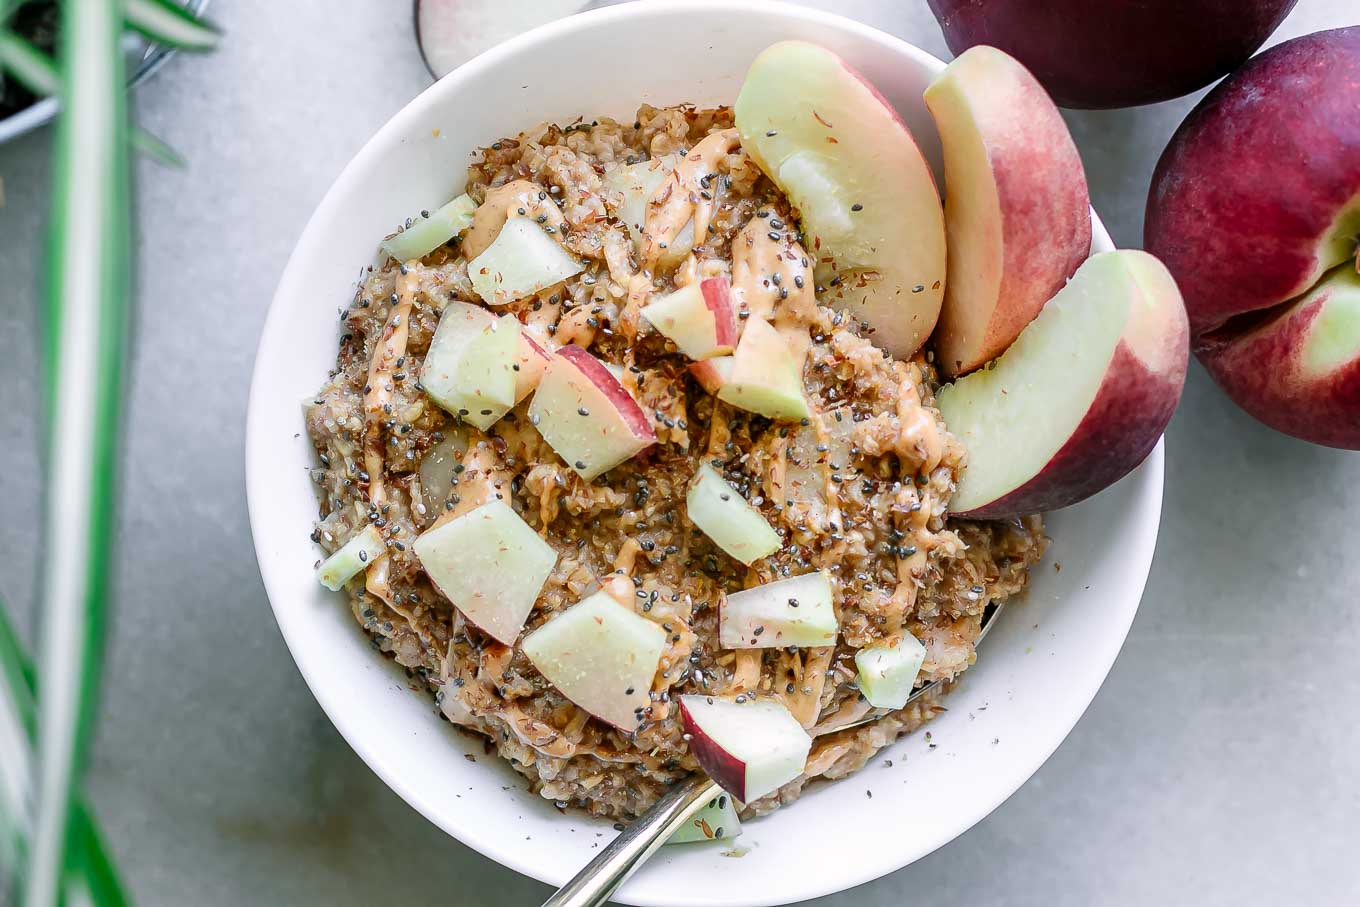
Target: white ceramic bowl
1036 675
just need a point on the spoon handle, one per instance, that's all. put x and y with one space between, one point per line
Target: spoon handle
602 876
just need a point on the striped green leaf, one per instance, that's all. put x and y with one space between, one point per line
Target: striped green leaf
166 22
87 863
87 316
39 74
18 722
156 149
89 872
16 677
30 67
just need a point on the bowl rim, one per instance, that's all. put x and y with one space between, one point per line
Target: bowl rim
1148 503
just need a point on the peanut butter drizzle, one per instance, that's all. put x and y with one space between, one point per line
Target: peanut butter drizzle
766 276
745 671
630 316
680 643
390 347
616 256
688 272
715 267
830 487
481 691
719 431
680 196
912 516
576 727
777 479
694 269
574 327
625 563
517 198
810 669
680 638
766 270
849 712
480 481
825 753
676 201
543 738
920 447
919 439
476 694
619 587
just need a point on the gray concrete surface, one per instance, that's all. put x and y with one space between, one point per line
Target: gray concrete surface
1217 766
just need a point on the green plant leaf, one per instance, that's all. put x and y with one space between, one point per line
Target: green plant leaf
86 304
18 722
30 67
36 71
89 858
166 22
88 867
156 149
16 674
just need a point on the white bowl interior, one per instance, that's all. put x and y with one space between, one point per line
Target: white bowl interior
1038 671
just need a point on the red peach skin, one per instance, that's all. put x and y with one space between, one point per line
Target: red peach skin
1254 207
1258 193
1299 372
1115 54
1079 399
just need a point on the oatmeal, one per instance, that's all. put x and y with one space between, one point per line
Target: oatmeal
857 489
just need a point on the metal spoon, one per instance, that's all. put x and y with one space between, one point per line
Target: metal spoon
602 876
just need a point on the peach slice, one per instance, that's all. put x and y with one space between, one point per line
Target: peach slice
717 821
721 513
469 369
750 748
522 260
699 318
765 377
351 559
1299 372
865 195
531 361
586 415
798 611
438 463
490 564
886 674
1016 210
712 374
431 230
1080 398
600 655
